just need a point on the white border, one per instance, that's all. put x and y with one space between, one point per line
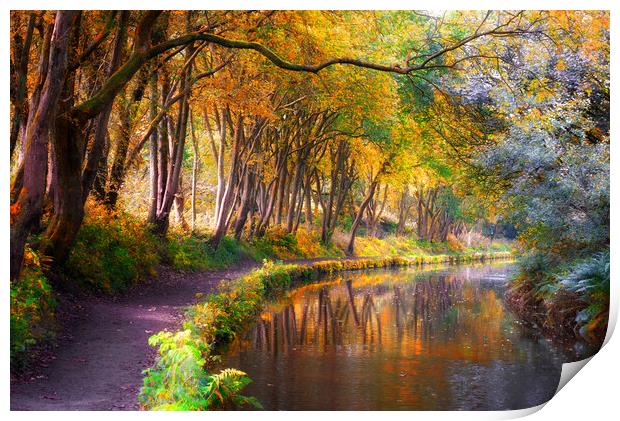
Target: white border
591 395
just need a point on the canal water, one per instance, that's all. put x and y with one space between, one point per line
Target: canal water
405 339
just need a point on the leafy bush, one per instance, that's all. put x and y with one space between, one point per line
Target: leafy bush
115 250
179 382
195 253
590 279
454 243
539 271
310 246
566 298
345 222
112 251
275 244
179 379
32 308
280 245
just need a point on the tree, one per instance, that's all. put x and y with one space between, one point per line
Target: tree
27 208
71 123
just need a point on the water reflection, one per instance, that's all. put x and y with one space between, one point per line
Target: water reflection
397 340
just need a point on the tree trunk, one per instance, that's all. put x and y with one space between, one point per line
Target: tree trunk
162 161
173 175
96 162
65 223
245 204
128 115
179 206
117 172
172 181
297 187
360 215
69 143
218 154
194 170
228 199
20 105
26 211
153 145
308 202
403 212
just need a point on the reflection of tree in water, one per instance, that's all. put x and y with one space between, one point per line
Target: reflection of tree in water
398 340
382 311
431 299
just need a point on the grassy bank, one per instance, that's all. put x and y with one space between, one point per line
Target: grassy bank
180 378
409 246
115 251
567 299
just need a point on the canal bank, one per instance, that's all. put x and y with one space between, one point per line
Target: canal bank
226 314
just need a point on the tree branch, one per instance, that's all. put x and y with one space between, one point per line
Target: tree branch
96 42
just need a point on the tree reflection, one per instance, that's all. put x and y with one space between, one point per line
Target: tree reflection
446 313
397 339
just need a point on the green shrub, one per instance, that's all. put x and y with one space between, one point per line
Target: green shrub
591 279
112 252
275 244
195 253
275 279
568 298
179 382
279 245
539 275
345 222
32 309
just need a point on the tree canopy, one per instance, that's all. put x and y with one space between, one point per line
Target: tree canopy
469 114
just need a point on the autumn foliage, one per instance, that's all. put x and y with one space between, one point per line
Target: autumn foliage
197 139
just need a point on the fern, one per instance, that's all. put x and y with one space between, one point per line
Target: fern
223 389
590 276
179 380
591 279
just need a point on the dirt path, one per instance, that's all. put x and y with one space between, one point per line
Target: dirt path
99 363
99 367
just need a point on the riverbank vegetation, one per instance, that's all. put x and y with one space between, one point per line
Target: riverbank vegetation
115 252
192 352
199 139
32 309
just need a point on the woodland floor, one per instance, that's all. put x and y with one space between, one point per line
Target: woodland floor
101 352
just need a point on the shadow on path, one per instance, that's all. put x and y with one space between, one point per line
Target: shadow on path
99 365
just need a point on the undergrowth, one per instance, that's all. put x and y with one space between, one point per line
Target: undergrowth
280 245
408 246
192 253
32 309
568 298
112 252
590 279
